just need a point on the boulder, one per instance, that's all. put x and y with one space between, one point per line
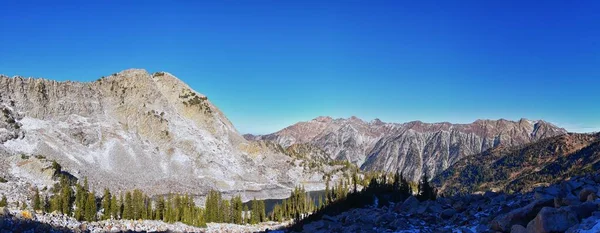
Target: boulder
460 206
409 205
552 220
592 197
584 193
597 178
490 195
566 201
448 213
520 216
583 210
329 218
434 207
499 199
575 184
518 229
313 226
565 189
385 219
542 195
553 190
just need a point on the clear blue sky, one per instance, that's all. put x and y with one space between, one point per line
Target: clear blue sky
269 64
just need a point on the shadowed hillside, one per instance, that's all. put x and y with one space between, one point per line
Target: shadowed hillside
522 168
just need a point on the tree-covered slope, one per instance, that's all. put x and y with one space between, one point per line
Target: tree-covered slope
521 168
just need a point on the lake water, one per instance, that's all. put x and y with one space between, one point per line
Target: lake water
270 203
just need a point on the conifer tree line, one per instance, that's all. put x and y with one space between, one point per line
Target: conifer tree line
298 205
77 200
81 203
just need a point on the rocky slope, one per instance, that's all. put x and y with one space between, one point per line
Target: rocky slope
412 148
568 206
522 168
139 130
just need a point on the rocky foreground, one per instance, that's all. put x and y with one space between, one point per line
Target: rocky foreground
570 206
24 221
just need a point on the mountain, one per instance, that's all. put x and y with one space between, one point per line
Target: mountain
412 147
139 130
522 168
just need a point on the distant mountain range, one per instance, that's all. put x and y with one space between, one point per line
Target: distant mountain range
411 148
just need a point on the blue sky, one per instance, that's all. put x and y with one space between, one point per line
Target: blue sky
269 64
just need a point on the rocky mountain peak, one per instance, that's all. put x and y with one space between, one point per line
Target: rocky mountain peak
324 119
377 121
137 129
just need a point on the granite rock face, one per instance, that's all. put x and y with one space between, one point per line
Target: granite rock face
413 148
139 130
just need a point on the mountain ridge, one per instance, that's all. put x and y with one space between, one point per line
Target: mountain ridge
411 147
133 129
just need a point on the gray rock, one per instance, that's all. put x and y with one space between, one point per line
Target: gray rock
542 195
385 219
434 207
520 216
553 190
592 197
567 201
575 184
518 229
583 210
409 205
553 220
490 194
448 213
329 218
584 193
314 226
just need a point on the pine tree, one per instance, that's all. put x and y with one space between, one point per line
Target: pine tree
3 201
114 208
80 199
46 204
67 198
121 206
255 215
261 211
160 208
127 207
86 187
37 202
355 181
225 211
55 203
237 210
90 208
137 204
212 206
106 204
426 191
328 198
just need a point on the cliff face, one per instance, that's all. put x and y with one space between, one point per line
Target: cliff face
411 148
138 130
